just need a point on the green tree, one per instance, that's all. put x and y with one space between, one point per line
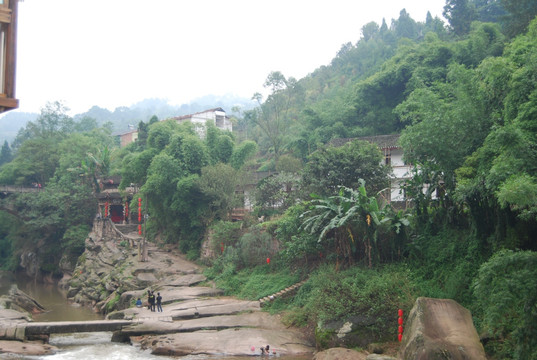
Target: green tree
449 122
489 10
5 154
53 121
218 183
160 134
135 166
369 30
405 26
491 181
460 14
242 153
273 116
330 167
520 14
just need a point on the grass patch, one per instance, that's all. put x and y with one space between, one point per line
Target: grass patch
256 283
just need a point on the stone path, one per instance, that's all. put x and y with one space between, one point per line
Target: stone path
195 319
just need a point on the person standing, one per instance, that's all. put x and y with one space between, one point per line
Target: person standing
159 302
152 301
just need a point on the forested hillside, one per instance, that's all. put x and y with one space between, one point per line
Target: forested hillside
462 96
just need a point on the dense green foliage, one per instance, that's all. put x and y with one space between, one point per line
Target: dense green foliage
186 181
505 286
462 96
65 158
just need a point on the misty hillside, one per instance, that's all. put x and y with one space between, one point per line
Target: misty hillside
124 116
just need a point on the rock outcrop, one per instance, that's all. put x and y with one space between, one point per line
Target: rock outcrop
15 310
19 301
440 329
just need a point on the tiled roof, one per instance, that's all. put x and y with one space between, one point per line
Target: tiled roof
182 117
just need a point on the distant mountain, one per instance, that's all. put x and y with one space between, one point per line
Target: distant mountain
124 116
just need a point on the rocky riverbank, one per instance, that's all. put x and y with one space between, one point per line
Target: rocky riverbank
196 317
17 308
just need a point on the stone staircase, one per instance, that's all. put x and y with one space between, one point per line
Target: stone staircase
281 293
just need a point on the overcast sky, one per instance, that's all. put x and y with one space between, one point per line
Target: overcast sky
113 53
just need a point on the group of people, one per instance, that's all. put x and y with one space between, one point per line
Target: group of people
152 300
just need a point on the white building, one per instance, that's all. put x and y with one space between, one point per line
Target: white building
216 116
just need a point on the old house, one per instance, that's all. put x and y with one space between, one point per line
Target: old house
215 116
127 137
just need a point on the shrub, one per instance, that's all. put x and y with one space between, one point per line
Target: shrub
375 294
255 247
300 248
224 232
506 293
110 306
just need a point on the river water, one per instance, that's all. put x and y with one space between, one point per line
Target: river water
86 346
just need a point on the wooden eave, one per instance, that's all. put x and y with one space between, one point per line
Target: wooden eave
8 19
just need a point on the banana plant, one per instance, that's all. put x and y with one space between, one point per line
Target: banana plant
349 217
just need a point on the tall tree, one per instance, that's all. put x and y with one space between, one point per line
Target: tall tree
520 14
5 153
405 26
272 116
460 14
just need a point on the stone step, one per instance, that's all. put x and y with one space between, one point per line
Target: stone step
281 292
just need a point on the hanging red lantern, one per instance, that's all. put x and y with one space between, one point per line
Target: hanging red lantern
268 260
400 312
139 229
400 321
399 337
400 329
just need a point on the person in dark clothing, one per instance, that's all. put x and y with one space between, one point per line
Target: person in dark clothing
152 301
159 302
265 350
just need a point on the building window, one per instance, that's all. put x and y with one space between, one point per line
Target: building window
387 157
220 121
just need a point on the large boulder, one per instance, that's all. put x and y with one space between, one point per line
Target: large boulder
21 301
440 329
353 331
